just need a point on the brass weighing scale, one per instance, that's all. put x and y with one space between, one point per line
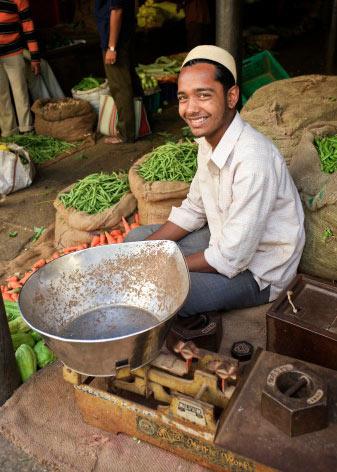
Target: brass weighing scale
203 413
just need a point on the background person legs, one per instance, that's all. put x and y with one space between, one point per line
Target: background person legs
8 123
121 88
14 67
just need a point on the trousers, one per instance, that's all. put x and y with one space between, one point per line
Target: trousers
12 74
210 291
124 85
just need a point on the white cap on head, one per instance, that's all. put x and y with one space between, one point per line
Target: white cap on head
213 53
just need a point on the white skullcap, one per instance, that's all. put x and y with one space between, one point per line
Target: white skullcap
213 53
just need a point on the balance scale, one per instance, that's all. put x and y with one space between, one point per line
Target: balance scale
281 414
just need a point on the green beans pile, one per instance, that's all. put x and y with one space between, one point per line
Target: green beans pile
88 83
171 161
40 148
96 192
327 151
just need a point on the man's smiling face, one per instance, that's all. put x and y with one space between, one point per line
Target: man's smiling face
202 102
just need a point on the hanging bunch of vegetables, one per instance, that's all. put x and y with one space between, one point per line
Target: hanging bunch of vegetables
148 81
153 15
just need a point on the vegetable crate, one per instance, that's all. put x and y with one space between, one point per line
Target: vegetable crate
259 70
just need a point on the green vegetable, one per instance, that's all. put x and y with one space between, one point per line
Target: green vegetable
96 192
40 148
171 161
12 310
37 232
18 326
36 336
43 354
327 233
327 151
26 361
12 234
88 83
22 338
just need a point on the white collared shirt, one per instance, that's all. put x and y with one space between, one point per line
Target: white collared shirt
243 190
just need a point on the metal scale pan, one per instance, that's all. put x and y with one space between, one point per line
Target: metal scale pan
109 306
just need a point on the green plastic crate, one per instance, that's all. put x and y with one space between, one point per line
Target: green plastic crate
258 70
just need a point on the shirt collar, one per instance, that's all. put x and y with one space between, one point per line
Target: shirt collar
226 144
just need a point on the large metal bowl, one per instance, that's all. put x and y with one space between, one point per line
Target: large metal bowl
108 306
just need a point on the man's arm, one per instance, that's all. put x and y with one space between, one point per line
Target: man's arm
116 18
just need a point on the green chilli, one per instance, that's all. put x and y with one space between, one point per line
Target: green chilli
327 151
96 192
171 162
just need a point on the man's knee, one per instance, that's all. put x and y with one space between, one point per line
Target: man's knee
141 233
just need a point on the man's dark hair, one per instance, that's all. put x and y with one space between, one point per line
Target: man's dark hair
222 74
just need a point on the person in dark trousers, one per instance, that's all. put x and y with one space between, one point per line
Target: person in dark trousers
241 226
16 32
116 27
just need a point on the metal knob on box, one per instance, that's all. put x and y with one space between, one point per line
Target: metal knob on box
295 399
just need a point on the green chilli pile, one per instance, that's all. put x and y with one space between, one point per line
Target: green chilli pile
171 162
327 151
96 192
40 148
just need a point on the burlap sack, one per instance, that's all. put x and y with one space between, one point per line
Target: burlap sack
67 119
74 227
283 109
155 199
318 192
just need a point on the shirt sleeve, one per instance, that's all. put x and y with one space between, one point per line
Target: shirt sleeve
27 24
254 192
191 214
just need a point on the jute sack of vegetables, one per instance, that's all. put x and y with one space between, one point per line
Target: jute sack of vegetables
314 170
90 89
92 204
157 182
67 119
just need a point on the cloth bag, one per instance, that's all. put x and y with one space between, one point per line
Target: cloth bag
68 119
108 117
155 199
318 191
16 169
93 95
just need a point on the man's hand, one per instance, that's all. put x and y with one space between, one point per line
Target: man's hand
110 57
197 263
36 68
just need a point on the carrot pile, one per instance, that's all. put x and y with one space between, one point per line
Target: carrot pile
11 291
